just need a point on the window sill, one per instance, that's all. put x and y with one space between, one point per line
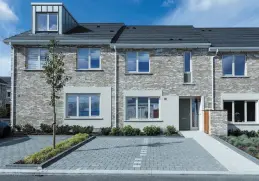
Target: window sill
33 70
188 84
244 123
144 120
138 73
229 76
89 70
90 118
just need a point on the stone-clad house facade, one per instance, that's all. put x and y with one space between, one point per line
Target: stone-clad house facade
137 75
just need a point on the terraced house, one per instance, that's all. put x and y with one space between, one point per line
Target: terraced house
193 78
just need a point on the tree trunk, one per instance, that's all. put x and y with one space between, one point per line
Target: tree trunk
54 122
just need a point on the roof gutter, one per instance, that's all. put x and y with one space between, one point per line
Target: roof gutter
173 45
233 49
61 42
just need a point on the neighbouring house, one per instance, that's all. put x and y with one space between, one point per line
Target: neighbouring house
3 88
193 78
8 94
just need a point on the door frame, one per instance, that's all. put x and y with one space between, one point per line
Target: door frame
190 100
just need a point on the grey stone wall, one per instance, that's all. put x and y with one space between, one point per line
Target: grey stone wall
247 84
218 122
32 94
167 67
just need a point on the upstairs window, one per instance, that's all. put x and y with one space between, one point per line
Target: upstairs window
36 58
234 65
47 22
138 62
187 67
88 58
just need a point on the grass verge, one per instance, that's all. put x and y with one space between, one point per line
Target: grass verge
49 152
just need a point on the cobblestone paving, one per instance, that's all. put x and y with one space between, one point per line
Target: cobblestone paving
15 149
140 153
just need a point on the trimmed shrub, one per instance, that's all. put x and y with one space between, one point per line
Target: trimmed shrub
252 134
252 150
116 132
232 140
152 130
247 143
170 130
256 141
49 152
237 143
17 128
79 129
64 129
128 131
106 131
242 137
28 129
137 131
45 128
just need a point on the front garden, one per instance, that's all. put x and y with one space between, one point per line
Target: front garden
247 141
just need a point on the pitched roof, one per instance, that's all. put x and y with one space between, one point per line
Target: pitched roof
231 37
2 81
7 80
103 32
160 35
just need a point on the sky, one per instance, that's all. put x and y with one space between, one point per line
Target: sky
15 15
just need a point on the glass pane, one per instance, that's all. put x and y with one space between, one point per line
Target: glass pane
82 58
195 112
154 108
239 111
41 22
227 65
250 111
131 61
71 105
142 107
95 105
83 105
240 64
187 62
32 58
228 107
95 58
53 21
130 108
143 60
43 55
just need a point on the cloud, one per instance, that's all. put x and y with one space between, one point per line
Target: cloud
214 13
167 3
6 13
8 20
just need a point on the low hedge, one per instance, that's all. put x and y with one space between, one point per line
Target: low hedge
49 152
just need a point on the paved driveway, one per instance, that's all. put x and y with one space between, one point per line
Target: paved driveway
140 153
15 149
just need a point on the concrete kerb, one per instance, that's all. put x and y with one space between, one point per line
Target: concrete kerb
117 172
49 161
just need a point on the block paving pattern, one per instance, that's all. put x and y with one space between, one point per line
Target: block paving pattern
140 153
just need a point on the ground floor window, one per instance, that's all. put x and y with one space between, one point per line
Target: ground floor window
241 111
83 105
142 108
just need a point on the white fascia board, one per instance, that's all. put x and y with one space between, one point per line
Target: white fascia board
175 45
60 42
50 4
233 49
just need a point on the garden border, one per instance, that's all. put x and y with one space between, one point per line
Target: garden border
51 160
241 152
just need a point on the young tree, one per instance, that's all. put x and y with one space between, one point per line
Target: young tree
55 76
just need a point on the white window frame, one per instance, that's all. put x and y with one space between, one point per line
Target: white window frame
47 22
77 105
137 63
245 111
89 60
137 117
233 66
38 61
190 67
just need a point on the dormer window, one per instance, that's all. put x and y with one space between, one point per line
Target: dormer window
47 22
